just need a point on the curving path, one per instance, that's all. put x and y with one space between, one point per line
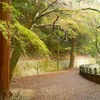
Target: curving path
65 85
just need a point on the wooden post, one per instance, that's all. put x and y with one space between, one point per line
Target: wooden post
90 72
86 76
95 73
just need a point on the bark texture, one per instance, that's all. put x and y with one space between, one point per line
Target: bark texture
4 55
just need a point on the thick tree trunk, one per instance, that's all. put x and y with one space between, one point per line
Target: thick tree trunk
72 42
4 55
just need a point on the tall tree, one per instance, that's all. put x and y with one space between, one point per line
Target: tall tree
23 38
4 53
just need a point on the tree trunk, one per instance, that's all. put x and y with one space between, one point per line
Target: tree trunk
4 55
72 42
58 55
14 59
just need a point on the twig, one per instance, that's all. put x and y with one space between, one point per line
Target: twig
53 29
49 6
54 24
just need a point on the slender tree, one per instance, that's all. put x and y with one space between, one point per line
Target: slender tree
72 53
4 54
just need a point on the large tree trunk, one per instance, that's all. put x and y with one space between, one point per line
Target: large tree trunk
72 42
4 55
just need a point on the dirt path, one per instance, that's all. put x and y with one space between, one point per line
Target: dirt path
67 85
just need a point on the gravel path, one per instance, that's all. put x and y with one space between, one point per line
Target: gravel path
65 85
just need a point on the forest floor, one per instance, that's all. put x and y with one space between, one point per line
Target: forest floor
64 85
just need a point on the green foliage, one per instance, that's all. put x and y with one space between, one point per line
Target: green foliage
6 6
33 38
3 29
74 23
73 28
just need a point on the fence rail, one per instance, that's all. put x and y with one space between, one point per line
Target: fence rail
91 72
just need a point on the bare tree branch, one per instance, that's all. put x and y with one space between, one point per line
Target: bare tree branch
40 16
49 6
93 9
46 13
54 24
53 28
90 9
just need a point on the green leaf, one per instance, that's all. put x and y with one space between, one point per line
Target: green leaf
33 38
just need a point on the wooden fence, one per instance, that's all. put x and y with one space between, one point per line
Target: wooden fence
90 72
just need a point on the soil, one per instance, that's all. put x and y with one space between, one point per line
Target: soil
65 85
